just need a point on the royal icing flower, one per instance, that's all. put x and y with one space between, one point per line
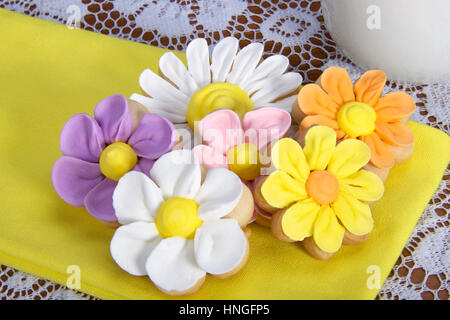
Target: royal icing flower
98 151
236 80
175 228
359 111
321 191
237 145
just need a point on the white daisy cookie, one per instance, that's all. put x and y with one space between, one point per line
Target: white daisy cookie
235 79
176 228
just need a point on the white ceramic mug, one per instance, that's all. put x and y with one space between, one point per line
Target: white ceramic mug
408 39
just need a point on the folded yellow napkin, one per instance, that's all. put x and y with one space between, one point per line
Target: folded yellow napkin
48 73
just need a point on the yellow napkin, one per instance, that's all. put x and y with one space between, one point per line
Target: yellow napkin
48 73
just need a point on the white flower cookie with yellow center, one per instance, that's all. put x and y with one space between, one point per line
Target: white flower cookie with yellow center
176 228
234 79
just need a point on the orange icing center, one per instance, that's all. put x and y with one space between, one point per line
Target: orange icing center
322 186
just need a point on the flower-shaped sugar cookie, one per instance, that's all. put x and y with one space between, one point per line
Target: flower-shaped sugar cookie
236 80
237 145
176 227
319 193
358 111
98 151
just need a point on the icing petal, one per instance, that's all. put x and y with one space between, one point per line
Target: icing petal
363 185
265 125
153 137
298 220
82 138
144 166
369 87
220 246
395 106
136 198
288 156
348 157
176 72
312 100
257 85
245 63
160 89
354 215
320 143
222 58
73 178
284 104
321 120
381 152
219 194
209 158
337 83
277 87
197 56
132 244
328 233
174 112
178 174
280 190
98 201
221 130
395 133
114 117
273 66
172 266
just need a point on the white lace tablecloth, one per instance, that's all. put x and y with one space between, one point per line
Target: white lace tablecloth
293 28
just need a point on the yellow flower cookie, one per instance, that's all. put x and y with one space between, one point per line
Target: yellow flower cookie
319 193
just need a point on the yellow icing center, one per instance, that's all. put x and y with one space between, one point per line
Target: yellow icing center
357 119
117 159
218 95
177 217
244 160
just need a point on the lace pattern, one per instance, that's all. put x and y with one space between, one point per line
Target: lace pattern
295 29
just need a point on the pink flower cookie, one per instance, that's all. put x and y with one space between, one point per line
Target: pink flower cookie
239 145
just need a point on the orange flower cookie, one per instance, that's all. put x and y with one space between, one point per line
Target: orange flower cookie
358 111
320 194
